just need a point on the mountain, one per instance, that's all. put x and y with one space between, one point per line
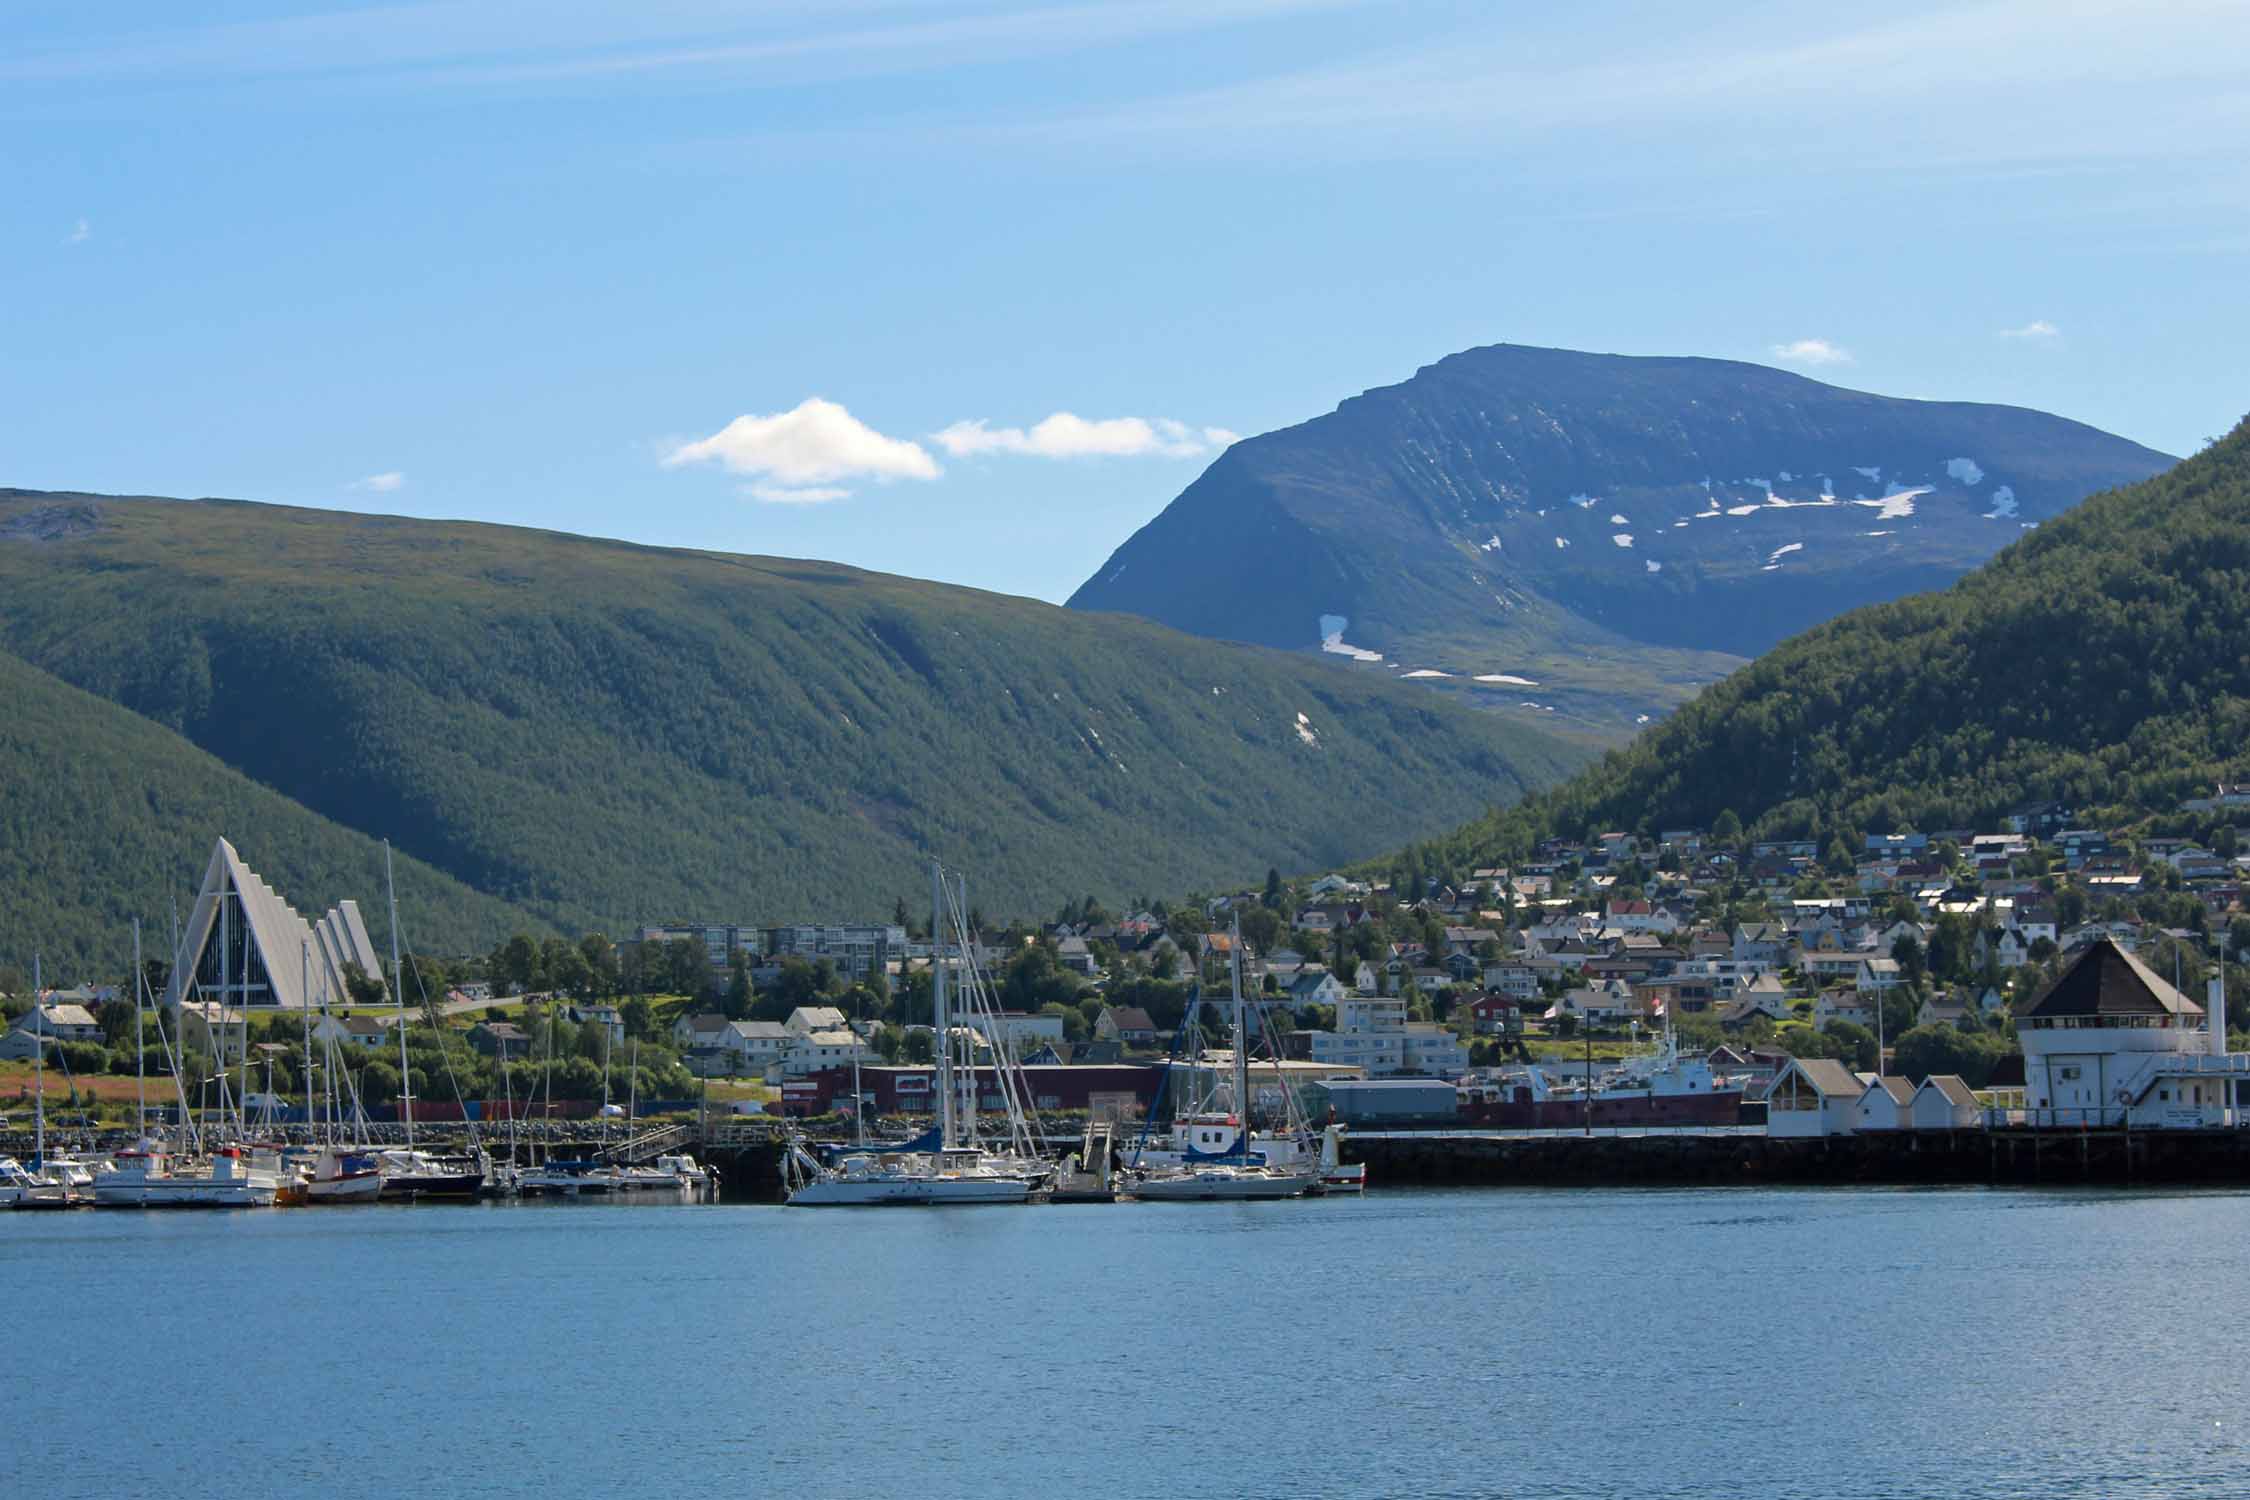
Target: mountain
2102 660
597 734
1594 534
109 817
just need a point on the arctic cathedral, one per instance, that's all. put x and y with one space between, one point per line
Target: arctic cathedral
253 952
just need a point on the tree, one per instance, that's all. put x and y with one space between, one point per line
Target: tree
600 957
1726 829
1926 1050
362 988
639 1017
1273 886
516 964
918 1046
736 1005
1906 948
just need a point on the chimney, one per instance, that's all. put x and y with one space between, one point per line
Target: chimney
2215 1007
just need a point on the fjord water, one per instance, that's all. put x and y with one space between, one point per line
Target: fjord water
1484 1342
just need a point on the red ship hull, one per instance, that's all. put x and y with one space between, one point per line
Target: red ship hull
1519 1111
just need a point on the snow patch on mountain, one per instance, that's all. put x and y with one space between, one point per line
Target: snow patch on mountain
1623 538
1306 732
1896 506
1509 678
1332 640
1655 567
2003 504
1967 470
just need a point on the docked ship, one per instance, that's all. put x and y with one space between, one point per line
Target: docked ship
1659 1089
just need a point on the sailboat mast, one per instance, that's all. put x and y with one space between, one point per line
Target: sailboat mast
944 1038
304 1019
1241 1038
398 996
39 1050
140 1063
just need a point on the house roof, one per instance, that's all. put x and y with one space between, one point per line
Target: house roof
1900 1090
1829 1077
1130 1018
1952 1087
2105 980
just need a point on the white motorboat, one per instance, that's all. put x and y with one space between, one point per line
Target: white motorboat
680 1173
20 1187
571 1179
147 1178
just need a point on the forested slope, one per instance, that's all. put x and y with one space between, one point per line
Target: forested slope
601 733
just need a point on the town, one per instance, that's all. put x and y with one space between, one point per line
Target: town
1885 983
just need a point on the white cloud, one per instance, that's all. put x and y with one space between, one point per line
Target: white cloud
381 484
1068 435
800 456
2038 329
1812 352
80 233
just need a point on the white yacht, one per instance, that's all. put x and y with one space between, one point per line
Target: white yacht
146 1178
959 1170
912 1178
1213 1154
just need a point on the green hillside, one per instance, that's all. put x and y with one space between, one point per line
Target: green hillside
2103 660
601 733
107 817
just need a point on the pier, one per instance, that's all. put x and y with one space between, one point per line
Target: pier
2014 1157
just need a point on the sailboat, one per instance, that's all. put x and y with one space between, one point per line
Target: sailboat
953 1170
45 1184
1216 1158
410 1173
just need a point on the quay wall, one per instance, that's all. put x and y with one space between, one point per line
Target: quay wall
2012 1157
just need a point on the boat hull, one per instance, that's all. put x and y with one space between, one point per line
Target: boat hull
364 1187
1220 1187
1627 1111
419 1185
910 1192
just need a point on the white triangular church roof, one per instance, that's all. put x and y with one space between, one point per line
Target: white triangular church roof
285 941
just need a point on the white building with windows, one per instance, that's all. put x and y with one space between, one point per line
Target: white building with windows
2109 1042
1373 1034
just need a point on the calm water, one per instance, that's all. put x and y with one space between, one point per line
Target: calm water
1518 1343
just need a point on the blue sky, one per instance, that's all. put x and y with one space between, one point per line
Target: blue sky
969 291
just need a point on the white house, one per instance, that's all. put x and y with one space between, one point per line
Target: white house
1944 1102
821 1050
63 1022
1885 1104
2109 1042
807 1019
1812 1096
